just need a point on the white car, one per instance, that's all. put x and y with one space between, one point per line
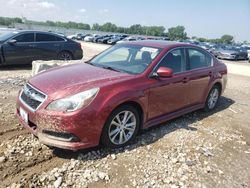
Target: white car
127 39
71 36
89 38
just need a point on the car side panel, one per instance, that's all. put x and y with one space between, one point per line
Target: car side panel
48 50
198 82
19 53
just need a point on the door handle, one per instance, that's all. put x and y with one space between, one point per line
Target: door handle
210 74
185 80
32 45
56 45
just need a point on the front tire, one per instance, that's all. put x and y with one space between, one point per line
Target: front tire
212 98
121 127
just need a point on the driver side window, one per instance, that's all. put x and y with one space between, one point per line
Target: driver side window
28 37
175 60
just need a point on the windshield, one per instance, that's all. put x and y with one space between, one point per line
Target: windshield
132 59
6 36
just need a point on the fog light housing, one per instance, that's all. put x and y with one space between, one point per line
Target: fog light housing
62 136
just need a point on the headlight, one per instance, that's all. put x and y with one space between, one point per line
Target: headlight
74 102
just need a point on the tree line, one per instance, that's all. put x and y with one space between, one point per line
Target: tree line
173 33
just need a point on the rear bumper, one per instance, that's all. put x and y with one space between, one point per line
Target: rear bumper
78 54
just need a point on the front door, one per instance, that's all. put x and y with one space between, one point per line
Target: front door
20 52
167 95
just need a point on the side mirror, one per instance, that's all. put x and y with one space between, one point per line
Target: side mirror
164 72
12 42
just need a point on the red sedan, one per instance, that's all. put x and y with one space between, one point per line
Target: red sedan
130 86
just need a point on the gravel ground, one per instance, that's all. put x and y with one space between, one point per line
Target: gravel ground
196 150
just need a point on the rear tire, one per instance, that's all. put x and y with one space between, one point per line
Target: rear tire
121 127
212 98
65 56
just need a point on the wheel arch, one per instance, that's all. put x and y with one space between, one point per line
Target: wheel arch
217 84
137 106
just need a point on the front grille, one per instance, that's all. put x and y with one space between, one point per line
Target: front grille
31 97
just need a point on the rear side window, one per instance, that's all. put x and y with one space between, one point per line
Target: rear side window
28 37
175 60
198 59
40 37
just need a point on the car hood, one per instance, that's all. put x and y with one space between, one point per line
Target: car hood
68 80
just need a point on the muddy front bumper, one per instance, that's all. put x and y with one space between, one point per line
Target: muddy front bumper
54 137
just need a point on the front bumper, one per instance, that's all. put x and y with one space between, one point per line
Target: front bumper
227 56
84 125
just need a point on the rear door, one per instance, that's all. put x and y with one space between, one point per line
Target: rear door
48 45
20 52
199 74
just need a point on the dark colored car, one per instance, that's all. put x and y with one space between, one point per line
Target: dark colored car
231 53
80 36
104 40
128 87
23 47
96 38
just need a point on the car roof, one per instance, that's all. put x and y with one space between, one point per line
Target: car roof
35 31
159 44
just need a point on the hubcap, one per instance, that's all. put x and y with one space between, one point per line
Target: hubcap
122 127
213 98
65 56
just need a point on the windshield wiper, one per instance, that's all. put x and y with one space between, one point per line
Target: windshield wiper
106 67
110 68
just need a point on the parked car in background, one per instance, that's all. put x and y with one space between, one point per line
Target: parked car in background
231 53
105 40
130 86
23 47
96 37
127 39
90 38
247 48
78 36
115 39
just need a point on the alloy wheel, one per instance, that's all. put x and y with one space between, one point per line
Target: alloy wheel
65 56
122 127
213 98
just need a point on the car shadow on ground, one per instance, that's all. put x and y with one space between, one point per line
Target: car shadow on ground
149 136
15 67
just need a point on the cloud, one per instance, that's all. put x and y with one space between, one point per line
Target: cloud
82 10
103 11
46 5
31 9
29 5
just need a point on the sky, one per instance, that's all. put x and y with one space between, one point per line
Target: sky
201 18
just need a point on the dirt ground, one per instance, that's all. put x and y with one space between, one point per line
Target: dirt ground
196 150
